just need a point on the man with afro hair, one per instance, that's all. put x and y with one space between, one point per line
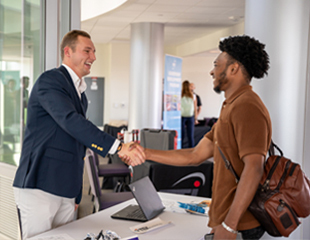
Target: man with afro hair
243 134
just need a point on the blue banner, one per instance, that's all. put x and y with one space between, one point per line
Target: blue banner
172 96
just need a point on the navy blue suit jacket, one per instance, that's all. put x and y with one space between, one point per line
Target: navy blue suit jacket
56 136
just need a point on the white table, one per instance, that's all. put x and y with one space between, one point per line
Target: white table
184 225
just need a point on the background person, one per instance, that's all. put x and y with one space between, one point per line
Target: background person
243 133
48 181
188 114
198 100
11 104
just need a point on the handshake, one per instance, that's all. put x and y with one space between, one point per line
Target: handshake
132 154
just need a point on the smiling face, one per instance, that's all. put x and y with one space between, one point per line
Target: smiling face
80 57
219 73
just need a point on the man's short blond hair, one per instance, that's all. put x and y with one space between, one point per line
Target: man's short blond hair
70 40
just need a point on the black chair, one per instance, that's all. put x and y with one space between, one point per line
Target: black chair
102 200
111 170
19 223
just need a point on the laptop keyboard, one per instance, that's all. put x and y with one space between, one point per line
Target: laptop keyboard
137 213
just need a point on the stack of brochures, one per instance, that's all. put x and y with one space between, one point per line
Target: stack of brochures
201 208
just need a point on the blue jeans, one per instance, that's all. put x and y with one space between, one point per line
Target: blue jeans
188 124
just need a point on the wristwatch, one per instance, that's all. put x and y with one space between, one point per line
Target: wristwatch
119 148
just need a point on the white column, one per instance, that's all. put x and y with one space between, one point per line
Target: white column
75 14
283 25
146 74
61 17
51 37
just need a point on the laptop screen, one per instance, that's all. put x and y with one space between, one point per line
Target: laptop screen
147 197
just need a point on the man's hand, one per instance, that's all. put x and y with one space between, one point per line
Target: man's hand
132 154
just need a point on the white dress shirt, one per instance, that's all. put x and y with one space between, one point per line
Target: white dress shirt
81 86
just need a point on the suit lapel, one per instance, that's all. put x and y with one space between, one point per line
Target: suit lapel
84 102
80 103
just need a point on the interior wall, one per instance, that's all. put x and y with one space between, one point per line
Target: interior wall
113 63
119 81
197 70
102 68
207 42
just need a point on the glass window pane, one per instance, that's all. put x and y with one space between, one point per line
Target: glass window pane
20 22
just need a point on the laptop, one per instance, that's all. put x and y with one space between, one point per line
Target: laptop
150 204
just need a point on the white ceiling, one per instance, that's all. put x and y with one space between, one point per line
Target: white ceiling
184 20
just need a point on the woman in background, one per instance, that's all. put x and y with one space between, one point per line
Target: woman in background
188 113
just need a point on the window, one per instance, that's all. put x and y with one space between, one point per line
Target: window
20 65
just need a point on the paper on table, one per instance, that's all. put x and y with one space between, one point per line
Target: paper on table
55 237
149 225
172 206
131 238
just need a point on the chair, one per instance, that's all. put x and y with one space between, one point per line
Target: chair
189 180
158 139
111 169
102 200
19 223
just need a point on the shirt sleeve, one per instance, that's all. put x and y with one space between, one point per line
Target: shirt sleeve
251 129
114 146
210 134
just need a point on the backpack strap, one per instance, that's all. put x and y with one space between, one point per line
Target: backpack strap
228 165
232 170
272 147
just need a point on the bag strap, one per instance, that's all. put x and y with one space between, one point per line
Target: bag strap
272 147
232 170
228 165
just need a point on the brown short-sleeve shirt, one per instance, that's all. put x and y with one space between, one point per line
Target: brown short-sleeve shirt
244 127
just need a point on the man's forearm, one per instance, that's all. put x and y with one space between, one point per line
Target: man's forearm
180 157
246 189
183 157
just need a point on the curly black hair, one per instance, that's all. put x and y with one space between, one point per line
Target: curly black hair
249 52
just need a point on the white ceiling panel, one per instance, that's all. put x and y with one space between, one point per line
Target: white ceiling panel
142 1
167 8
124 34
135 7
155 17
178 2
207 10
226 3
184 20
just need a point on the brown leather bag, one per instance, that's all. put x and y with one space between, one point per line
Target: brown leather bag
282 196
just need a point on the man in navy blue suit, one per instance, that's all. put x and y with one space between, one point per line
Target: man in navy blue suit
48 182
